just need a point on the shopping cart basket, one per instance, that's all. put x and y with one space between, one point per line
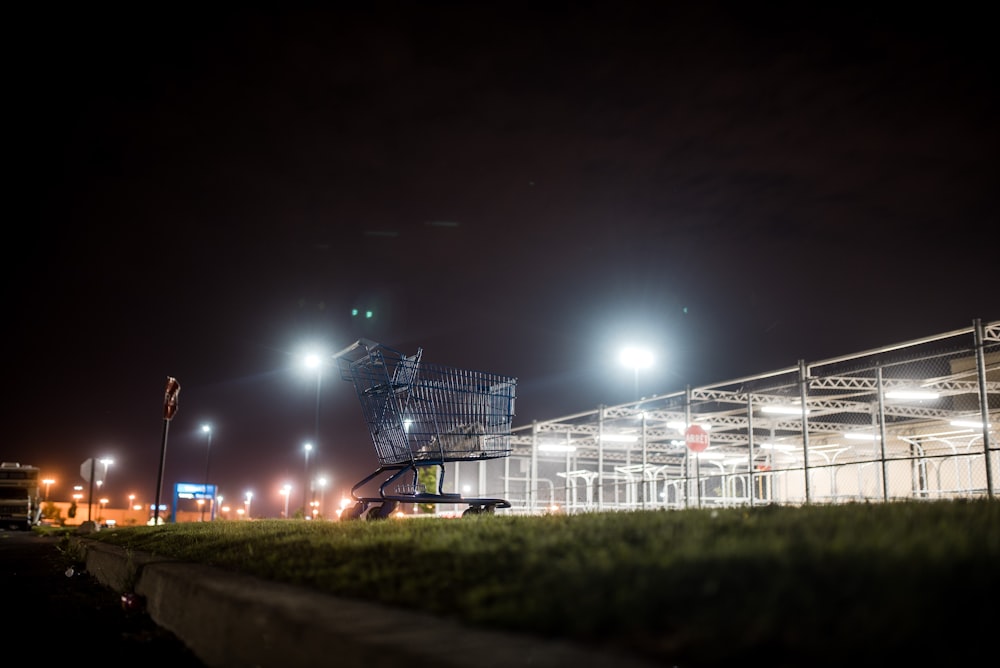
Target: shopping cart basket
423 415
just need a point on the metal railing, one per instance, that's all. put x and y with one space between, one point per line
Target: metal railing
916 420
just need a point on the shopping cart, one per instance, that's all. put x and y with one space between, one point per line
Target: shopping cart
421 416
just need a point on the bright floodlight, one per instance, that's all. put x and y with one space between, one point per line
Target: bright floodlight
312 361
636 358
778 409
911 394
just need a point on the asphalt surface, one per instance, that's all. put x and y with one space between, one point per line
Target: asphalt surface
54 614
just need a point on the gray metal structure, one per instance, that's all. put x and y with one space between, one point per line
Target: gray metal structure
915 420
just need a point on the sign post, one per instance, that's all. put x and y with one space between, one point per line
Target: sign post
170 395
696 439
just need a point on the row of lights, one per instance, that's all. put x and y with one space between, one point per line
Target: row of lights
632 357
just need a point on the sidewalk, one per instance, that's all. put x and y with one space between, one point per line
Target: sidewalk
230 620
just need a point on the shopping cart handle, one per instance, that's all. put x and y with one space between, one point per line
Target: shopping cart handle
367 343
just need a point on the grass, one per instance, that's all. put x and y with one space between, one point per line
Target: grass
812 585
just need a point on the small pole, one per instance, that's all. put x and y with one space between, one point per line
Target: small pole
90 496
159 476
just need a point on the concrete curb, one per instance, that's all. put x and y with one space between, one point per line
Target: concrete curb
235 621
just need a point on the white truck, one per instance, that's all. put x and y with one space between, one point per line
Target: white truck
20 496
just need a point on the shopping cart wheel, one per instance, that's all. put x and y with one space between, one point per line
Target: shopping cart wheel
382 511
480 509
354 512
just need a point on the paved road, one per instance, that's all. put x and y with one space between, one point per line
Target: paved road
54 615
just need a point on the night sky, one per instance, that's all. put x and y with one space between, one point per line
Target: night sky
515 188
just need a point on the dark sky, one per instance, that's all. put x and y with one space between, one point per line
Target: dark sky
515 189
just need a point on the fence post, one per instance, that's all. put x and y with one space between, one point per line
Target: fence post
881 432
750 442
600 458
984 404
803 392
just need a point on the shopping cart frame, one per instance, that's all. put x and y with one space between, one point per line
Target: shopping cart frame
424 415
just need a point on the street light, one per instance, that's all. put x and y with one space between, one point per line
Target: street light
305 480
48 483
314 362
107 461
285 491
208 457
636 358
321 481
246 504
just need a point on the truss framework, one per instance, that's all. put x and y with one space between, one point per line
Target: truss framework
831 401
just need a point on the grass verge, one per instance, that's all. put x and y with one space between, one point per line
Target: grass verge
815 584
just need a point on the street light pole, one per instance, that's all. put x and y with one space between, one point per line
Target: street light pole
321 481
107 461
208 458
246 503
313 361
305 481
286 490
319 382
48 483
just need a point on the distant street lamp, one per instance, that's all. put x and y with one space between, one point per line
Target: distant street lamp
208 457
636 359
305 480
246 503
48 483
286 490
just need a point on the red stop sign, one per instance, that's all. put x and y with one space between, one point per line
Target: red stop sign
696 438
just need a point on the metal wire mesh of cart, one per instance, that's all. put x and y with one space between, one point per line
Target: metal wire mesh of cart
424 413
